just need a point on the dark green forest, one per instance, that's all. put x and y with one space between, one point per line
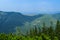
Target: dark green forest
44 33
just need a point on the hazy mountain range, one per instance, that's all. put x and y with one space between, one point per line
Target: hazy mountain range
10 20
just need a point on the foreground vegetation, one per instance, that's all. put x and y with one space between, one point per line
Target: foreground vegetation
44 33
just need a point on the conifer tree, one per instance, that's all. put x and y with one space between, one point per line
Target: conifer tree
36 31
58 29
31 32
39 29
44 29
51 31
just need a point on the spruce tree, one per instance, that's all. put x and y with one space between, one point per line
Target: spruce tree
44 29
51 31
36 31
39 29
58 29
31 32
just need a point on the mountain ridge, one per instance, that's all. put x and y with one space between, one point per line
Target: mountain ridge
10 20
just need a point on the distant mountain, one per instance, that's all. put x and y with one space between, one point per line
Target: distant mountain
46 18
56 16
9 20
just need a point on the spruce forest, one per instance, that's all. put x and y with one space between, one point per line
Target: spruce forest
44 33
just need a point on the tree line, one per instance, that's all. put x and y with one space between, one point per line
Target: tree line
36 33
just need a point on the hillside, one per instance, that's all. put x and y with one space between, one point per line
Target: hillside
9 20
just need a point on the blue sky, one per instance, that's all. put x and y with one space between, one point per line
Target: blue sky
30 6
